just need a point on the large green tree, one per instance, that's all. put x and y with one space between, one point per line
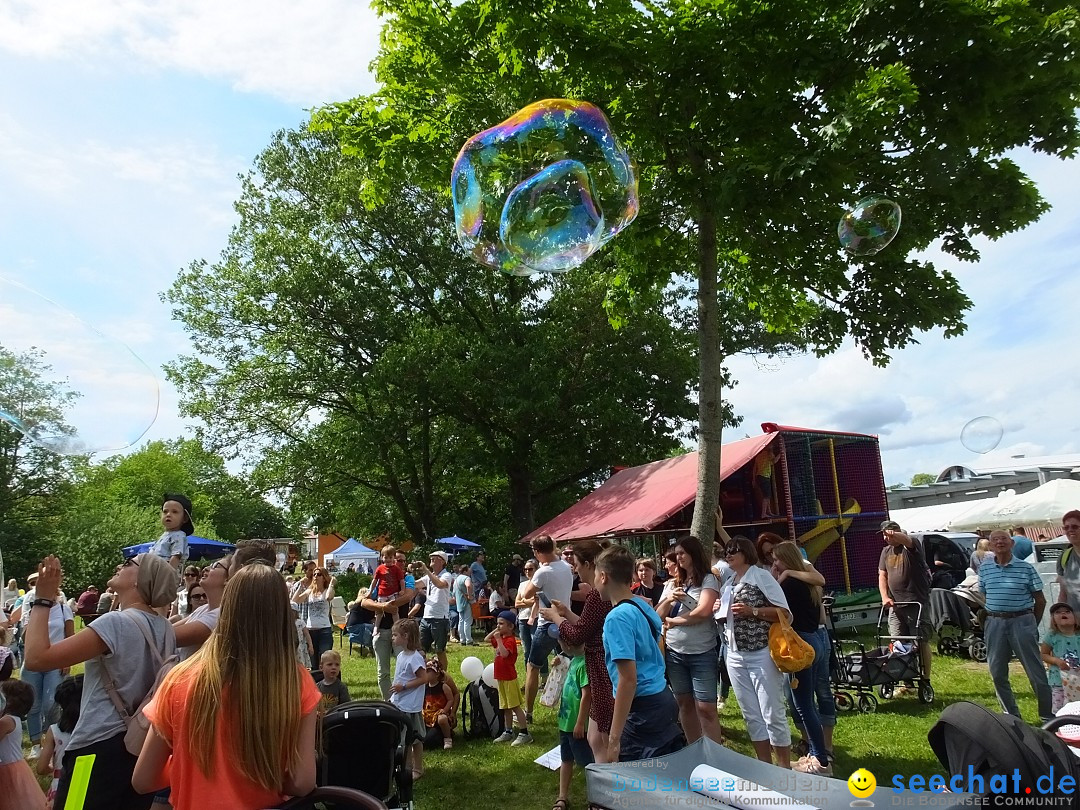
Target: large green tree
377 367
32 480
755 124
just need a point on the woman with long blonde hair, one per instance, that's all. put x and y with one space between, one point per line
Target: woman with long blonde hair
238 717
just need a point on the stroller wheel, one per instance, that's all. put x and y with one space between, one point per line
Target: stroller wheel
977 650
844 701
886 690
867 704
926 692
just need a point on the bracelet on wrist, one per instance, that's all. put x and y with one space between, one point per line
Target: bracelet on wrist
43 603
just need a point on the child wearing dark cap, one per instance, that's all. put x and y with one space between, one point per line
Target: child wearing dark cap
504 641
176 520
1060 650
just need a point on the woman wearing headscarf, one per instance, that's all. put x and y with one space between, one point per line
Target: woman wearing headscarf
116 651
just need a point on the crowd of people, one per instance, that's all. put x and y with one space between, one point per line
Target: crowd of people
649 658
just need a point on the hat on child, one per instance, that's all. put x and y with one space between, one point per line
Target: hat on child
508 616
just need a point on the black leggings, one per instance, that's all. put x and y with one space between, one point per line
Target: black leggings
110 777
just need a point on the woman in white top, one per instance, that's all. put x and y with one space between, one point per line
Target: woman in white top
751 602
193 630
61 626
687 611
318 596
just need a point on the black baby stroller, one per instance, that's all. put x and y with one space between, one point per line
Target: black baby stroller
334 798
364 748
893 662
955 615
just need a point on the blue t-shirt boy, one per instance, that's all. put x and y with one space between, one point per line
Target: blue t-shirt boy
630 633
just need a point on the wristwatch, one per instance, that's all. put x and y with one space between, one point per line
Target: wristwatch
755 613
43 603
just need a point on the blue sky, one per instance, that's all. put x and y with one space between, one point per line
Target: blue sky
123 127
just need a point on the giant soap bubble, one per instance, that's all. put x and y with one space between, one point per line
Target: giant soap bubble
112 396
869 227
982 434
543 190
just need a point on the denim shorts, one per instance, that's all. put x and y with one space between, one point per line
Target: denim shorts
693 672
542 646
571 749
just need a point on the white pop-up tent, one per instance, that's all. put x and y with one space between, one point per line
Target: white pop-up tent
1042 506
351 551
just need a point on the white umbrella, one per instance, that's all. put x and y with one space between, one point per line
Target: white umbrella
1041 506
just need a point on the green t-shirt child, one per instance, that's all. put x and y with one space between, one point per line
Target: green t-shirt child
576 680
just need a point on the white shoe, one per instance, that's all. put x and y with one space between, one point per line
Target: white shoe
524 738
506 736
812 765
35 751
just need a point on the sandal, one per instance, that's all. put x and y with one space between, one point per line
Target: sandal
561 804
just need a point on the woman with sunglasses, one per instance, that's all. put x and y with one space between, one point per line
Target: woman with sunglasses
114 649
526 620
193 630
318 597
750 603
181 607
687 611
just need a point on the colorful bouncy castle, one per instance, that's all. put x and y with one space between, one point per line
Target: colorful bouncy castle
824 489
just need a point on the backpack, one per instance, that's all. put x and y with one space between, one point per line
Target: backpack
480 715
137 723
991 744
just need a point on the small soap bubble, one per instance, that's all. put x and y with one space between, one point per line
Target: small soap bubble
106 395
982 434
870 226
543 190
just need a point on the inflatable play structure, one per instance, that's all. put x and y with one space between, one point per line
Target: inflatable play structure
824 489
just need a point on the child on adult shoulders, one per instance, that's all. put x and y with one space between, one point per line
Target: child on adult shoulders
504 641
573 720
332 689
408 688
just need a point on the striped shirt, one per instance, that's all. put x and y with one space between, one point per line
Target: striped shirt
1010 587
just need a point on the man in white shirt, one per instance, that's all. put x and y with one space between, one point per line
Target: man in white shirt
435 625
553 582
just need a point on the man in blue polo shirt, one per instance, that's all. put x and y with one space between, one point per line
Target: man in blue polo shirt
1014 606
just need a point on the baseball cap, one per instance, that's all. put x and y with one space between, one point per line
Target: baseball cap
508 616
32 577
442 555
890 524
518 557
1054 608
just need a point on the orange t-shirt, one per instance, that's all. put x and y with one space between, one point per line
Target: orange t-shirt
227 788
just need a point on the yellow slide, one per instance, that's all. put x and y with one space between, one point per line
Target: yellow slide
827 531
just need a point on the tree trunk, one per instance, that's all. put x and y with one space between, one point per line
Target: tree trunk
710 415
521 507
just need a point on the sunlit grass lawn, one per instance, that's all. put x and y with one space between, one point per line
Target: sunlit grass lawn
479 773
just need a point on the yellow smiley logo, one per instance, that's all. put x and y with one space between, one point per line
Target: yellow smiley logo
861 783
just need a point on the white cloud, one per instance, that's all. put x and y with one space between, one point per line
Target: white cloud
309 53
1015 363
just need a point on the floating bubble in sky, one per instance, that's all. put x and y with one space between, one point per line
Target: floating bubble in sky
113 394
982 434
543 190
869 227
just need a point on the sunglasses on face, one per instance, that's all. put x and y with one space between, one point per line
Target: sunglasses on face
130 562
195 596
220 565
732 550
191 573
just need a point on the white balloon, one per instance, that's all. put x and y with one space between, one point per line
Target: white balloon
472 668
489 676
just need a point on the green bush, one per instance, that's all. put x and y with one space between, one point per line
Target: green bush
348 584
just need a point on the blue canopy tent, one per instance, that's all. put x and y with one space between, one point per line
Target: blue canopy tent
199 548
456 543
